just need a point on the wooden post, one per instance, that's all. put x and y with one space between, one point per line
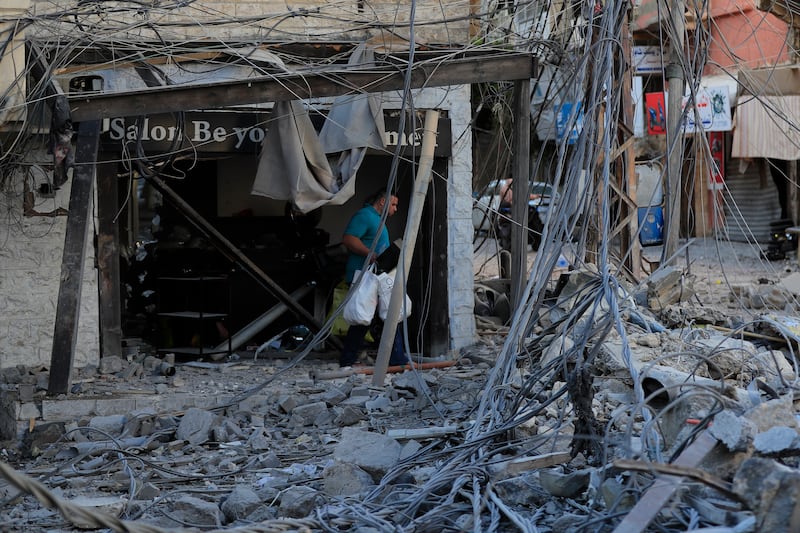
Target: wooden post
521 177
69 293
108 261
631 246
397 301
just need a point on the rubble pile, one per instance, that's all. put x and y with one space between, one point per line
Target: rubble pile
584 426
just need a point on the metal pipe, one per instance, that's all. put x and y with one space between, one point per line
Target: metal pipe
252 329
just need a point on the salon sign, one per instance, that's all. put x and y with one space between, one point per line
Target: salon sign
232 132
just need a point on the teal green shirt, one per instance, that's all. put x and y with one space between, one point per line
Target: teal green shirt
364 226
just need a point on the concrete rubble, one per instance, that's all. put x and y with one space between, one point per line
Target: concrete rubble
229 444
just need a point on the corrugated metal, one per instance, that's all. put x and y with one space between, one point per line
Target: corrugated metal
763 127
749 208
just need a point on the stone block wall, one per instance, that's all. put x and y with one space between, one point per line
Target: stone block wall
30 272
270 20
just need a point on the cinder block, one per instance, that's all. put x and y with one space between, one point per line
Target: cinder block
114 406
59 410
28 410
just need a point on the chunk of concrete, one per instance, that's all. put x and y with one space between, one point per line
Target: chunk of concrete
240 503
563 485
732 430
373 452
776 441
298 501
770 490
195 426
197 512
345 479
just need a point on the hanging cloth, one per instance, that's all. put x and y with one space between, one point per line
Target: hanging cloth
310 170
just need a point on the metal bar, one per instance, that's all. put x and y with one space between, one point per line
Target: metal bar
250 330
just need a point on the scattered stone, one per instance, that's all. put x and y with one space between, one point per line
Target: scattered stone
197 512
564 485
368 450
348 416
298 501
147 491
111 364
770 490
309 413
776 440
195 426
240 503
734 431
111 425
287 403
345 479
259 440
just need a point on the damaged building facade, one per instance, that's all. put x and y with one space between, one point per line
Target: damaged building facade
210 155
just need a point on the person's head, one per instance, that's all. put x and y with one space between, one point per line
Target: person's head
378 201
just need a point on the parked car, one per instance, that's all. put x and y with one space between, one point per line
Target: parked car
487 204
488 213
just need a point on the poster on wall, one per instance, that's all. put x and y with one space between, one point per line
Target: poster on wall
655 113
569 121
713 110
716 175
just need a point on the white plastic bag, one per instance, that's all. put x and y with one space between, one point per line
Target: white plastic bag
360 308
385 285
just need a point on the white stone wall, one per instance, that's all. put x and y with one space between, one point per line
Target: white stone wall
456 101
30 269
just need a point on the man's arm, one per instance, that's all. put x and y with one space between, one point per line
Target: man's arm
356 246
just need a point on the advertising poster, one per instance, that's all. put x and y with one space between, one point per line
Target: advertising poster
655 113
713 109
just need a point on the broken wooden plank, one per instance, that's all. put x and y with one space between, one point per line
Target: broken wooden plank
69 293
664 487
681 471
532 462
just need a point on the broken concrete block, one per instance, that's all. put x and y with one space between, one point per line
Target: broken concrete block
197 512
287 403
791 283
195 426
310 412
298 501
111 425
147 491
111 364
521 491
259 440
776 441
772 365
368 450
778 412
564 485
345 479
727 356
348 416
770 490
240 503
732 430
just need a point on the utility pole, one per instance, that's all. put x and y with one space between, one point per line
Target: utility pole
674 73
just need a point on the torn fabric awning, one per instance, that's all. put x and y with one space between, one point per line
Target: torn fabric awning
309 170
